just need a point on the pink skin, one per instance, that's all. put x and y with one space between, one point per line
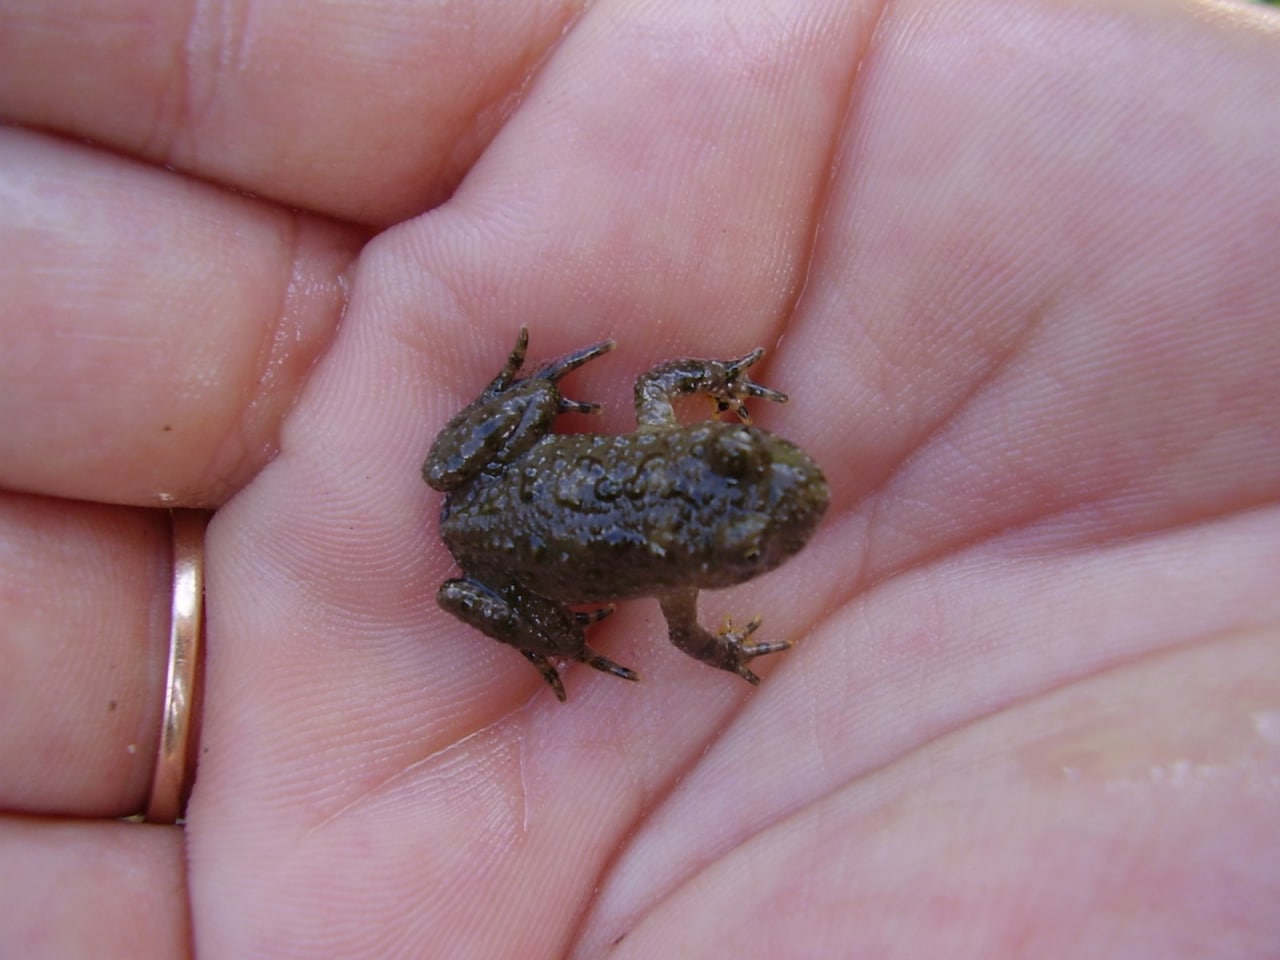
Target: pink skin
1023 256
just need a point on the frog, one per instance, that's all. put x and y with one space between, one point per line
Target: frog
544 524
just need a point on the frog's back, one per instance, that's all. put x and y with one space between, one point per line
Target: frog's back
592 518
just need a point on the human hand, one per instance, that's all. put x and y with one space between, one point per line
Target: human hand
1015 271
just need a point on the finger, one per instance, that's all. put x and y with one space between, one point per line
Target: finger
155 329
367 112
107 890
84 616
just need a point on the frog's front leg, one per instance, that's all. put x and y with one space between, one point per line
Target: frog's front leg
725 381
727 649
539 628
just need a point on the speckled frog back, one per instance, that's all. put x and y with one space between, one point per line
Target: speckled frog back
588 517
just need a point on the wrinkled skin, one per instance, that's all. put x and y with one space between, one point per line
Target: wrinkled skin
1016 269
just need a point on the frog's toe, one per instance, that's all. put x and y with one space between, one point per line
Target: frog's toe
578 406
587 618
753 650
737 636
732 405
548 671
605 665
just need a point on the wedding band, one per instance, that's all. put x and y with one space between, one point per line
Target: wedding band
171 781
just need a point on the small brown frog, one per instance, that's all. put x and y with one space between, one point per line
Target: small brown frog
540 521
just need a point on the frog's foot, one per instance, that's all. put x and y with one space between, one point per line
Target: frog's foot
590 658
724 381
729 649
556 369
731 392
746 652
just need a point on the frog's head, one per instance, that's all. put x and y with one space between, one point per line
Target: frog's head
780 496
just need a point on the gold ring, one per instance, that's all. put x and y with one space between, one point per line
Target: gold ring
171 781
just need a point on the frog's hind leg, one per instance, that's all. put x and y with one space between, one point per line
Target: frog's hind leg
728 649
540 628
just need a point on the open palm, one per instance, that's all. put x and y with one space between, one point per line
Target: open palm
1016 271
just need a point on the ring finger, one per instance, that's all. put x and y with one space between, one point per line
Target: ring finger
83 601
